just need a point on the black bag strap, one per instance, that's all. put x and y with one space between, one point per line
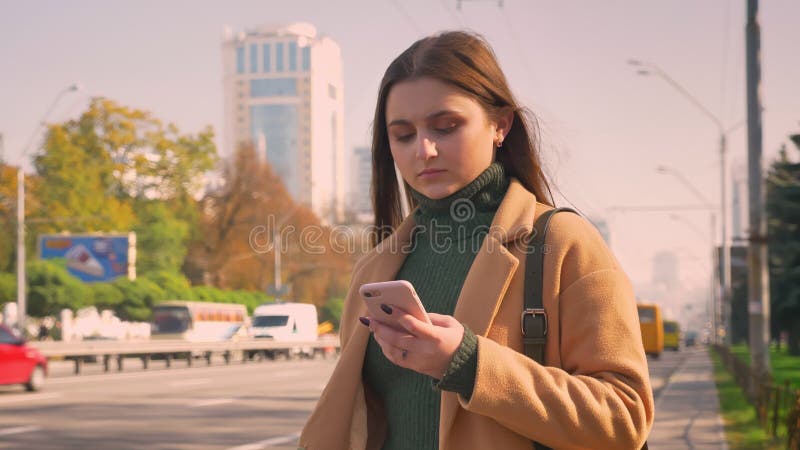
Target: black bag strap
534 317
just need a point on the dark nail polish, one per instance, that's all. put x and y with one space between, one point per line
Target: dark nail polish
364 320
386 308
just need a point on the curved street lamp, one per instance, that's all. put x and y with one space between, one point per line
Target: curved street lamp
21 275
646 68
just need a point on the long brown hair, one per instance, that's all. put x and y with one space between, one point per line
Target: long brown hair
466 61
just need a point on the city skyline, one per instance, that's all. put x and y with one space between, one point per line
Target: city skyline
604 129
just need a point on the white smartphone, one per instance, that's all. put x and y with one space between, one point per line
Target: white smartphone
395 294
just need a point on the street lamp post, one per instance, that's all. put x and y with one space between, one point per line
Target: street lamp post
714 300
21 276
647 69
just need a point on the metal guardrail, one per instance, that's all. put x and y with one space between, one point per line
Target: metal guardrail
82 351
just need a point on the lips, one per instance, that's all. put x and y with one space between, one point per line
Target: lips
430 172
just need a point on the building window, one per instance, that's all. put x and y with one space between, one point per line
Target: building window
331 91
271 87
279 57
306 58
277 126
267 63
239 59
253 58
292 56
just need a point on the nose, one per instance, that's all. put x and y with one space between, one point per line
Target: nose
426 149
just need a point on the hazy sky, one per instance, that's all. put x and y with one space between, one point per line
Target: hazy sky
605 129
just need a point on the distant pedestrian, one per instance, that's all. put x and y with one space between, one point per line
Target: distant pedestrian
44 332
469 157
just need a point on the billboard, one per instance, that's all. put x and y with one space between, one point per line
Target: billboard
93 257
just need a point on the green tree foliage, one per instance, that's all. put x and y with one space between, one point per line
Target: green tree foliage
783 211
8 287
332 311
140 296
8 218
117 169
161 237
51 288
174 285
107 296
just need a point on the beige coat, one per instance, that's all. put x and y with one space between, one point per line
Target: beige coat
594 391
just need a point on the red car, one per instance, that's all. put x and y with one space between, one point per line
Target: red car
20 363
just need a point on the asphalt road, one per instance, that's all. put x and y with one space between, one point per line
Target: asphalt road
239 406
260 405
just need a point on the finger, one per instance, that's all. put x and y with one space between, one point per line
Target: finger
390 335
443 320
397 355
416 327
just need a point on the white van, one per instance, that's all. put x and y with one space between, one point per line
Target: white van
286 322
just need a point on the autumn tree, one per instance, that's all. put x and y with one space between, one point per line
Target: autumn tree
115 169
236 250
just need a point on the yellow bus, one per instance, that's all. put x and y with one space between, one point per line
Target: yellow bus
672 335
197 321
652 328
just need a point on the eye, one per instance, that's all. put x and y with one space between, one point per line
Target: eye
405 137
446 127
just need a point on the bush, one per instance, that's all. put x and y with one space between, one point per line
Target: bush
139 296
208 294
107 296
174 285
51 288
332 311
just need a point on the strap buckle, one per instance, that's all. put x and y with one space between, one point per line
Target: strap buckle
533 312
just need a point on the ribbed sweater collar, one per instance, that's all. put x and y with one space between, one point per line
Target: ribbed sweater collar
472 206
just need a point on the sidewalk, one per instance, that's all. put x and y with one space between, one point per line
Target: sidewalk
687 409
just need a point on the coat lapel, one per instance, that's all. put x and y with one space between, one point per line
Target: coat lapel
488 279
340 419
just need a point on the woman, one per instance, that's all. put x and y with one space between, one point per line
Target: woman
468 157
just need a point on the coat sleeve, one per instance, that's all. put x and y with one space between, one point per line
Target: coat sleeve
600 397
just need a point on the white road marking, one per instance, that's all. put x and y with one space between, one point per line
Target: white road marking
268 442
195 382
18 430
211 402
28 397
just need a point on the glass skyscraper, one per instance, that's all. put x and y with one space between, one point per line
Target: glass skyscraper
283 94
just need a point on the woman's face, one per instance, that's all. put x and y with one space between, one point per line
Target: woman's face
441 139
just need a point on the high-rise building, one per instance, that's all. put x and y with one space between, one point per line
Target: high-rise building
360 200
284 94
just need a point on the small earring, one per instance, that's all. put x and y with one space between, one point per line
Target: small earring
499 144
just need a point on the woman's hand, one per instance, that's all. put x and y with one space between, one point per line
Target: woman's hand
421 347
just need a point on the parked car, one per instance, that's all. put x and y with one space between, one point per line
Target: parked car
19 362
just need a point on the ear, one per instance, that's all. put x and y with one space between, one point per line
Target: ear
503 124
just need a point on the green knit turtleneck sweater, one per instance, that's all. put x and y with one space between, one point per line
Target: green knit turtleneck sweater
448 234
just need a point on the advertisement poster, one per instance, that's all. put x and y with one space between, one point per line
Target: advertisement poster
93 257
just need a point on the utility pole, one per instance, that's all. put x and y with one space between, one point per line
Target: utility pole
758 276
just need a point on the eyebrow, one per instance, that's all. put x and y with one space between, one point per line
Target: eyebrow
431 116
